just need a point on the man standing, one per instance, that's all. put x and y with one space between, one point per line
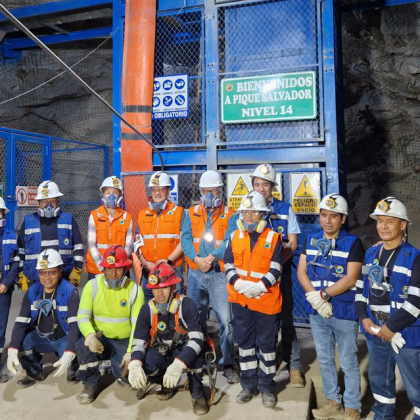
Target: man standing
205 232
282 219
160 230
46 323
49 228
388 307
328 269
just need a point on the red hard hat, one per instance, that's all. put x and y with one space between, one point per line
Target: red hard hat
115 257
162 275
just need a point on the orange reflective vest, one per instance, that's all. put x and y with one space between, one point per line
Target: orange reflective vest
108 232
252 267
220 221
161 233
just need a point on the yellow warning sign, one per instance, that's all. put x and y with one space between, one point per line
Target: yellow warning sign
306 193
240 188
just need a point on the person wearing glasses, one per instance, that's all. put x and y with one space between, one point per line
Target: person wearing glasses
328 269
205 232
159 226
47 323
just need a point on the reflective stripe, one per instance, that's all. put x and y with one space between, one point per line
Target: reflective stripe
102 246
242 272
268 370
21 250
249 365
246 352
195 346
110 320
380 308
53 242
71 319
65 252
148 236
417 411
30 231
33 308
7 267
10 241
231 274
316 283
410 308
196 240
81 259
62 308
196 208
64 226
168 236
312 252
26 352
133 320
140 343
199 370
94 288
78 246
229 267
133 295
257 275
31 257
196 334
83 311
23 319
270 237
339 254
270 278
88 365
359 284
275 265
402 270
414 291
396 305
268 356
384 400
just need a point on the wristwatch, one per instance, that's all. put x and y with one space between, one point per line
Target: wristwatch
170 262
325 295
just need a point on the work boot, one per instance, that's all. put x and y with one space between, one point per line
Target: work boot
295 378
245 396
165 393
200 406
71 378
232 377
269 400
3 378
352 414
331 410
27 381
123 382
88 395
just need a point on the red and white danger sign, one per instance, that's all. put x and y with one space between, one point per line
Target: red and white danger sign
25 196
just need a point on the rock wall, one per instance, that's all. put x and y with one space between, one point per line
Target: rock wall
381 65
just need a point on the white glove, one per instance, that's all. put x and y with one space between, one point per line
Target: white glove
136 375
315 299
397 342
95 345
64 363
13 361
325 310
240 285
254 290
138 243
173 374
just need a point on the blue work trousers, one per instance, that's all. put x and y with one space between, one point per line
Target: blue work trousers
256 331
33 345
5 301
155 366
327 333
89 362
382 360
205 288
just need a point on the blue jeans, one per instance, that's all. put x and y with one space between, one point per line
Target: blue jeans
148 294
212 287
5 301
327 333
33 344
382 360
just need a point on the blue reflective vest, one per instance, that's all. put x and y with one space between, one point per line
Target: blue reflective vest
64 291
343 305
33 243
8 248
279 217
400 282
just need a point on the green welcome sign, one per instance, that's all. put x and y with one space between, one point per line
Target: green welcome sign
276 97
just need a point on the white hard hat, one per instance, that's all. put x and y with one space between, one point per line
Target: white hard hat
392 207
253 201
49 258
112 182
47 189
160 179
335 203
211 179
265 171
3 206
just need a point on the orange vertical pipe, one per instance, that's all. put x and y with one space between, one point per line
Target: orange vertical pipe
137 94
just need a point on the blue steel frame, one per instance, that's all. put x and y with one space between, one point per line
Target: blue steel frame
13 136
